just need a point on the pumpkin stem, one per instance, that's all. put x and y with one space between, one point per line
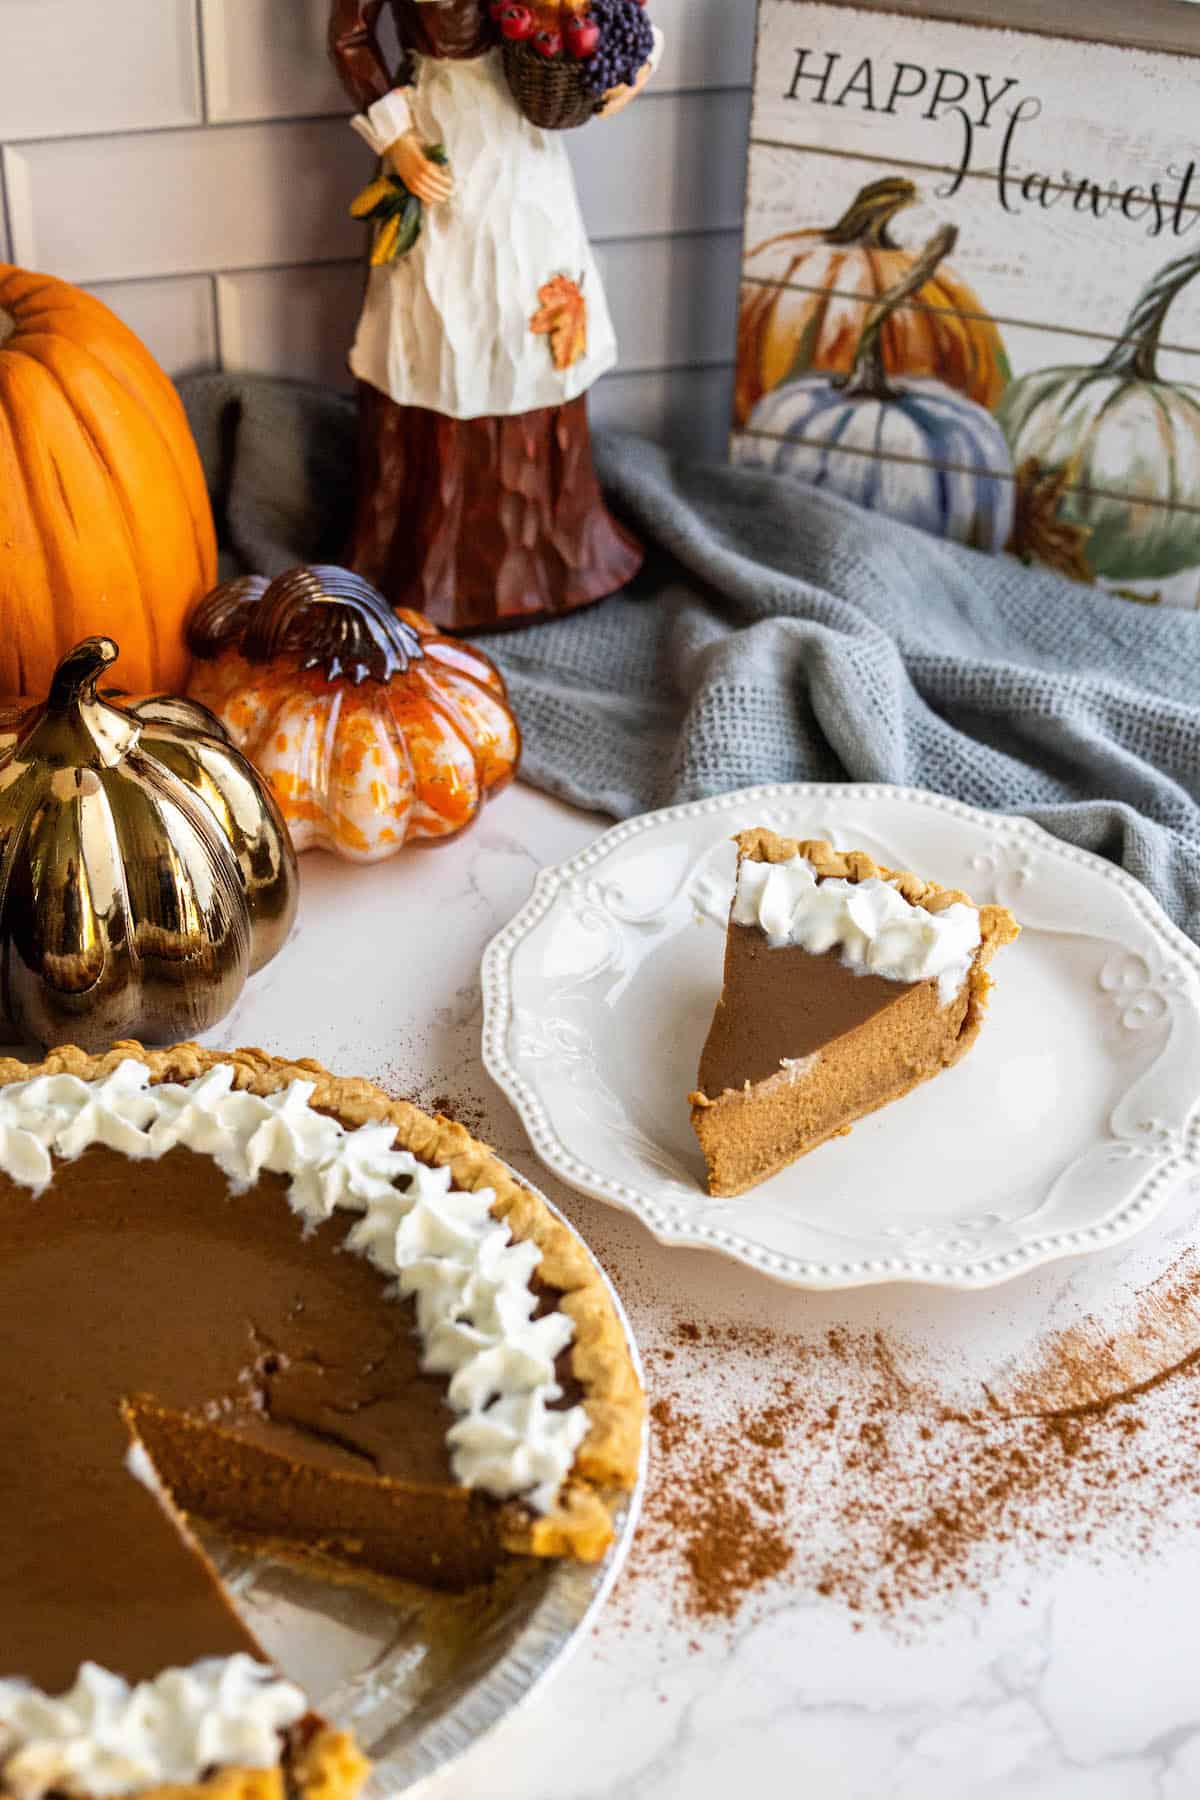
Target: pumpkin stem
866 219
222 616
1136 355
324 615
76 676
75 728
8 326
867 377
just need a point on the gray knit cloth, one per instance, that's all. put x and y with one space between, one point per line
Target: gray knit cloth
780 634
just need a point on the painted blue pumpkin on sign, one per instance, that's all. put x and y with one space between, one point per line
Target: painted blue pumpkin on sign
913 449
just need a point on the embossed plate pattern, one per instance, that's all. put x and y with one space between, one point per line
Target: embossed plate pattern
1065 1128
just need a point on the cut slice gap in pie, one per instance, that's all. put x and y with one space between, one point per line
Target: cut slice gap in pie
846 984
241 1292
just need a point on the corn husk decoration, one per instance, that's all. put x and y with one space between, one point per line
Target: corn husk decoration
394 211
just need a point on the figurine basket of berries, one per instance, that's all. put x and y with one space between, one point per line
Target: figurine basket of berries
562 59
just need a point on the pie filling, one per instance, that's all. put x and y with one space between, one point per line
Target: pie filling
786 1011
844 987
868 923
191 1295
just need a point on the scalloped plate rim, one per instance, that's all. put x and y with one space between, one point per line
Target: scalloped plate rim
983 1273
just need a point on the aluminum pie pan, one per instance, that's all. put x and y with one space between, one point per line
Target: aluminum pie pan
420 1684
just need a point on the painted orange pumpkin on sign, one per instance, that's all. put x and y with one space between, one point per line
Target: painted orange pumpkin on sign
1036 391
806 296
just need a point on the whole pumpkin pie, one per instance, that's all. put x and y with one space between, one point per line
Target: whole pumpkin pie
244 1292
846 985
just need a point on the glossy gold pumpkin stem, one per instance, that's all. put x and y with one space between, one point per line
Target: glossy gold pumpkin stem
76 727
76 676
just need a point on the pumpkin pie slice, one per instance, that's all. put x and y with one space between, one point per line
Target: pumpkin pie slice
846 984
240 1291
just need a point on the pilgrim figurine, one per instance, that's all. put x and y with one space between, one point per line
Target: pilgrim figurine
477 500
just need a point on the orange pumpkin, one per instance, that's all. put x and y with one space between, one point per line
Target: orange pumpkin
105 525
806 295
373 730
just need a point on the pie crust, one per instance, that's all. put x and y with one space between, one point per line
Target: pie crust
741 1128
324 1763
761 845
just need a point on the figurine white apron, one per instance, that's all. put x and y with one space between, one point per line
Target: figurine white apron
448 325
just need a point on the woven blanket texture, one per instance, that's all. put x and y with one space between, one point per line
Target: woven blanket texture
778 633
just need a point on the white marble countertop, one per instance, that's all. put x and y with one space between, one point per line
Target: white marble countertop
1056 1673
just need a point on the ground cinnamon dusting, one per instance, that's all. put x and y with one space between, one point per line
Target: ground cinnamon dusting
468 1110
729 1528
834 1473
464 1104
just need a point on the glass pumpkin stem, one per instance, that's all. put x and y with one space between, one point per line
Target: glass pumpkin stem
325 616
868 377
1136 356
866 219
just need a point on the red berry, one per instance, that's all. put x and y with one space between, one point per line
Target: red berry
495 10
583 38
516 21
547 43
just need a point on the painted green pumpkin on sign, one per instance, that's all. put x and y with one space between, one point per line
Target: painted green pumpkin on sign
1126 442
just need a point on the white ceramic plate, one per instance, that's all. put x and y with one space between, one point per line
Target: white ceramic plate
1063 1130
416 1693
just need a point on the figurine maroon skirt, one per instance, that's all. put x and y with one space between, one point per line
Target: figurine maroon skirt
483 522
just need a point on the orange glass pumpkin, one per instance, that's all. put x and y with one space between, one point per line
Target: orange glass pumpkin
806 296
105 525
373 730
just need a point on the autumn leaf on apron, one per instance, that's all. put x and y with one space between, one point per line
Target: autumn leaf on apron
562 318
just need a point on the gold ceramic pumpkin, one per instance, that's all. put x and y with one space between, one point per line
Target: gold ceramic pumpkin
145 871
373 730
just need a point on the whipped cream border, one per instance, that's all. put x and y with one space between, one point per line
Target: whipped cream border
106 1737
875 930
439 1244
474 1306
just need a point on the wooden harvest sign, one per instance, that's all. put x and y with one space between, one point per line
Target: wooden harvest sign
969 293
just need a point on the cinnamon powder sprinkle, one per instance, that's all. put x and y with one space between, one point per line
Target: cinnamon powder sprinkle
814 1464
727 1527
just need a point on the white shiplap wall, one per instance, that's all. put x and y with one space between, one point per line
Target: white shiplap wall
189 161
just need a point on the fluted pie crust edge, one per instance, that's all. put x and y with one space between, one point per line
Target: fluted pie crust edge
996 924
329 1765
606 1463
746 1133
